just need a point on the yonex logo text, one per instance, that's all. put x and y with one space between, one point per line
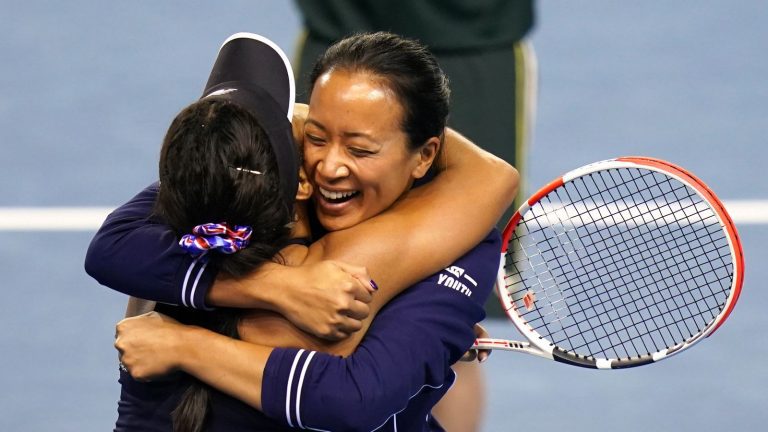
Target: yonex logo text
454 282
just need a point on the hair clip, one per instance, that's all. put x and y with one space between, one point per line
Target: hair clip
247 170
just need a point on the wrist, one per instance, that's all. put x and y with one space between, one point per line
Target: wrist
262 289
187 347
245 292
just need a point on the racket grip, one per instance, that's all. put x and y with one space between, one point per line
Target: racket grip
499 344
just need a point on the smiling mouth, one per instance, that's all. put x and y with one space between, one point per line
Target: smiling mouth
335 197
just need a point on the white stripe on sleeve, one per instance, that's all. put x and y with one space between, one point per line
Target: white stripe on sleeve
288 390
194 288
186 281
301 383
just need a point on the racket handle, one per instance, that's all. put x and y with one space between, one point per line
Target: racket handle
509 345
499 344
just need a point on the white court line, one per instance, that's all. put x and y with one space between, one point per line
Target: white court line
52 218
743 212
747 211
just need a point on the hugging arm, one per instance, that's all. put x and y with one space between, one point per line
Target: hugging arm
404 360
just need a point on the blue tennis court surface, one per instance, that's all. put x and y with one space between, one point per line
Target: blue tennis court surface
88 88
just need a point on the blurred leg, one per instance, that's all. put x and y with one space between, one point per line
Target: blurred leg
462 408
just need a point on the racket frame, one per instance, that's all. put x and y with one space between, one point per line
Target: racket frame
540 346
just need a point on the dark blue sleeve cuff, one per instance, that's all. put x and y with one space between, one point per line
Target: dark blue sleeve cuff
276 382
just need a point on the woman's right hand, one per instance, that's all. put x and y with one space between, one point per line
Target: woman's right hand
328 299
148 345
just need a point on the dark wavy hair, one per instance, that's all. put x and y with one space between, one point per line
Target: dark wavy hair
409 69
200 183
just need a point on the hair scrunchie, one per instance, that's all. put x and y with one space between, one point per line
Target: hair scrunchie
212 236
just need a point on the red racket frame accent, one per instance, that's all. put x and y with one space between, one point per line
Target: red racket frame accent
515 219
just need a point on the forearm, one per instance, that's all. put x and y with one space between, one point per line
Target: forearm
259 290
232 366
469 194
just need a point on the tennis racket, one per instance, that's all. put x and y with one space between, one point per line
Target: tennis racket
618 264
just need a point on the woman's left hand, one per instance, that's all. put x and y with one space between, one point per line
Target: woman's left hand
480 355
149 345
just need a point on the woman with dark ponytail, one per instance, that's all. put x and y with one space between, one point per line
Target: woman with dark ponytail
228 180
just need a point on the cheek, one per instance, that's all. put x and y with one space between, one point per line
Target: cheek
311 157
387 181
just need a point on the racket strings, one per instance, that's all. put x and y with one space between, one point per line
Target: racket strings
611 300
716 235
608 239
684 193
622 257
640 312
631 313
604 267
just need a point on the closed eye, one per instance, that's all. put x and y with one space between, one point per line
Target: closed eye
360 152
314 139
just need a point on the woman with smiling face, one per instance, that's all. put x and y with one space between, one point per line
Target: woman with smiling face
376 123
357 153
